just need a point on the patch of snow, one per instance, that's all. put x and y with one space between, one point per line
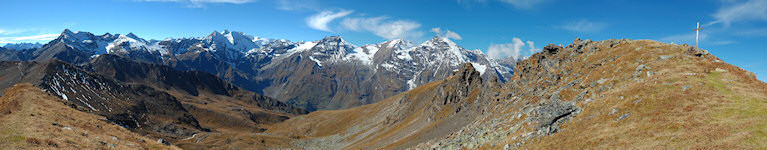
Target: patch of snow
364 54
479 67
403 54
411 84
316 61
301 47
388 66
89 105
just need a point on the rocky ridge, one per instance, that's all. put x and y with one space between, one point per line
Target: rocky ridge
366 74
598 94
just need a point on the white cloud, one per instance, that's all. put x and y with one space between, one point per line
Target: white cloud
43 37
751 10
447 33
291 5
4 32
519 4
523 4
752 32
723 42
516 49
436 30
682 38
384 27
689 38
453 35
320 21
584 26
15 31
199 3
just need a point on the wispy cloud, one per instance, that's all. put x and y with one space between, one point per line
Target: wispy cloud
740 11
583 26
295 5
516 49
384 27
447 33
722 42
730 13
42 37
706 38
199 3
682 38
11 32
519 4
320 21
523 4
752 32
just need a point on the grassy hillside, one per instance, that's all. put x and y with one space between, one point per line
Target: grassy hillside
619 94
33 119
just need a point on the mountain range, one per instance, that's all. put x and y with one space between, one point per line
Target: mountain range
330 73
233 91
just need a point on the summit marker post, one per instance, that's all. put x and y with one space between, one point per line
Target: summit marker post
697 33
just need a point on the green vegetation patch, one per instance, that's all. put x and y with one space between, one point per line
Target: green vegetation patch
741 110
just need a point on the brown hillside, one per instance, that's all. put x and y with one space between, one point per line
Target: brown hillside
613 94
619 94
33 119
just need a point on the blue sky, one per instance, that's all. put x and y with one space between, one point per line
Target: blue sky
735 30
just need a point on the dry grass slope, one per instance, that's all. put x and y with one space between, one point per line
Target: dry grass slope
33 119
686 102
629 95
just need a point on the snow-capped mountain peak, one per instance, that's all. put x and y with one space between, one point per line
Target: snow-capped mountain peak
86 41
439 49
331 48
237 41
22 45
131 42
133 36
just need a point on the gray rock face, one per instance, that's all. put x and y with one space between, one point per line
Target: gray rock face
163 141
551 113
623 117
665 57
684 88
